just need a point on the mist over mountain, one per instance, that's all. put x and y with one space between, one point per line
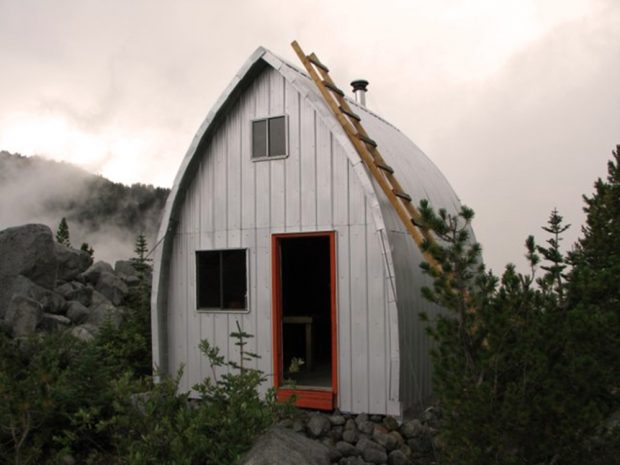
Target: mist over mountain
106 215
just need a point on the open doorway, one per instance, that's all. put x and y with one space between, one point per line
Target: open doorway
305 315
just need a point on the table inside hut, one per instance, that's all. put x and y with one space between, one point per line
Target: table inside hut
307 322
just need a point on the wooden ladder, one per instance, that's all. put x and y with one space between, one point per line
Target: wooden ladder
368 150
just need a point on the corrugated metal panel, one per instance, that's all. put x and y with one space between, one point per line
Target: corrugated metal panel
222 199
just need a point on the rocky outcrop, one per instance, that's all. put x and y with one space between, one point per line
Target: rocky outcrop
369 439
46 286
71 262
29 251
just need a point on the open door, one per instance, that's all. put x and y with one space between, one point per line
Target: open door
304 318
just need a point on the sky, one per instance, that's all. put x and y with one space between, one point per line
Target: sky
517 102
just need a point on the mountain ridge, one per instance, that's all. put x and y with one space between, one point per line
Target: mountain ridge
105 214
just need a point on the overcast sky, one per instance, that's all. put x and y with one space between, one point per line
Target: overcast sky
517 102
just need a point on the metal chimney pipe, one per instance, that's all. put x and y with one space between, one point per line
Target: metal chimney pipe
359 90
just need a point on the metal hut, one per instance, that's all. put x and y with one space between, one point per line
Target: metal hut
275 222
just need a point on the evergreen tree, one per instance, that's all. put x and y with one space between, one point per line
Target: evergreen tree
526 368
62 233
141 262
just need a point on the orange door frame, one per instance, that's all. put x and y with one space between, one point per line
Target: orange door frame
320 399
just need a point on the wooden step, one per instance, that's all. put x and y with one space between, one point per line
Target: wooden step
367 140
402 195
350 114
315 61
384 167
333 88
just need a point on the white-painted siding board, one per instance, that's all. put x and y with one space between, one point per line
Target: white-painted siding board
308 167
292 164
340 182
193 317
323 176
219 182
378 356
262 193
345 381
249 318
263 296
359 318
233 169
247 111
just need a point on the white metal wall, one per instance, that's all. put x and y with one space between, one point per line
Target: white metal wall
234 202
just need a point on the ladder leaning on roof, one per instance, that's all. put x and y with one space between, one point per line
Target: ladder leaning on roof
368 150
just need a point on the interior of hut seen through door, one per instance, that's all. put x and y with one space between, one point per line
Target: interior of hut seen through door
305 268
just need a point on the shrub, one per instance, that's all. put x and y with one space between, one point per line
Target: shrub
164 427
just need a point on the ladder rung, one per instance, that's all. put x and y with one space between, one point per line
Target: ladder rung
367 140
315 61
350 114
416 224
384 167
402 195
333 88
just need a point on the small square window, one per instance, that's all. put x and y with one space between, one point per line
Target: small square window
221 279
269 137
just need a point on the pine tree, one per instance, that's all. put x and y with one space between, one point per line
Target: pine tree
62 233
141 262
526 369
597 255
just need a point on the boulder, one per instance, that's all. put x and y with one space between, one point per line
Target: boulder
71 262
84 332
77 312
351 461
411 429
380 436
397 457
78 292
50 322
91 275
318 425
390 423
281 446
29 250
112 287
125 268
104 312
11 286
23 316
347 450
53 302
337 420
374 456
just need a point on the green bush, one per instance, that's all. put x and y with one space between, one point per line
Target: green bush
53 390
164 427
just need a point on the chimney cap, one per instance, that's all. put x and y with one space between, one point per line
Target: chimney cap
359 84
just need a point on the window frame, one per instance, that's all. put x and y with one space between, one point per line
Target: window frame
286 138
246 308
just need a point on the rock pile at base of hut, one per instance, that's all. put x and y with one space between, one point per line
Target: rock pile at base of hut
353 439
46 286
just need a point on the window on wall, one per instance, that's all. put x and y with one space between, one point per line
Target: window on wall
221 279
269 137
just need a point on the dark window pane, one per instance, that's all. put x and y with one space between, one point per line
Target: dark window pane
208 282
277 136
234 276
259 138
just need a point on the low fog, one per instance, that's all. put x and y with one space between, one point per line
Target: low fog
34 190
